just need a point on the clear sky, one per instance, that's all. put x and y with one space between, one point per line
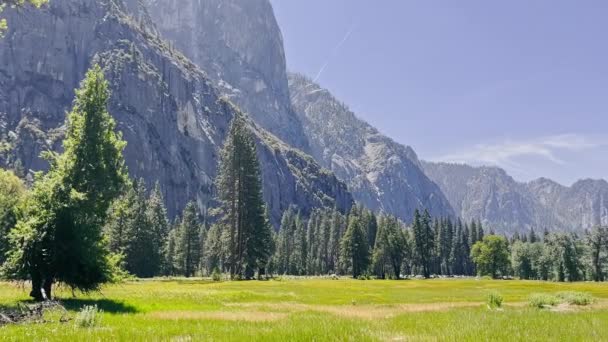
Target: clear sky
519 84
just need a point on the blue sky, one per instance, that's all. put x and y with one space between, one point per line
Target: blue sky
519 84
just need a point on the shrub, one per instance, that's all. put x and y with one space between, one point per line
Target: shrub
216 275
494 300
542 300
89 316
575 298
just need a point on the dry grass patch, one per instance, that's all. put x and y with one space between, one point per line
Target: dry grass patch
245 316
370 312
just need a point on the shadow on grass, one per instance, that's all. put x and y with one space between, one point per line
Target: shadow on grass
106 305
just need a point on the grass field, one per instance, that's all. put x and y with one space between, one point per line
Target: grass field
320 309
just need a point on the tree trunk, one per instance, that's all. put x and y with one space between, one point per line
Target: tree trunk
48 286
36 287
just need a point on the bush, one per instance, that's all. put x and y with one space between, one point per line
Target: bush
494 300
542 300
216 275
89 316
575 298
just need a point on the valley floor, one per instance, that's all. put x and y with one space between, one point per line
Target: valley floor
319 309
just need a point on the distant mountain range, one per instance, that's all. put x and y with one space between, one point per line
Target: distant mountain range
490 194
172 64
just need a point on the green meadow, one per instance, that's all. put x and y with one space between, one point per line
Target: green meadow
319 310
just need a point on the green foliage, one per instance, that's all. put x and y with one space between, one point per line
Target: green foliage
12 196
542 300
526 259
216 275
247 232
354 251
59 238
597 241
88 317
491 256
424 243
564 257
390 248
494 300
3 23
576 298
187 242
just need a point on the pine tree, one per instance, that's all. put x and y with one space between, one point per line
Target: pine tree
187 242
533 238
60 238
353 247
423 241
242 207
285 245
300 251
159 223
336 232
390 248
213 251
597 241
142 255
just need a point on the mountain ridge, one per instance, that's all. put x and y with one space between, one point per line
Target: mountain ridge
170 114
490 194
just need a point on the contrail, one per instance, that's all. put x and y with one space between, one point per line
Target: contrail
334 52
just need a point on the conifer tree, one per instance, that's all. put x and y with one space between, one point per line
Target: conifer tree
423 241
390 248
60 237
353 247
187 242
336 232
242 208
159 224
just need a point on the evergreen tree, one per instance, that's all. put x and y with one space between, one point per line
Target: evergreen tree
286 243
187 242
159 224
390 248
300 251
423 241
473 235
242 207
533 238
353 247
60 237
213 251
336 231
142 254
597 240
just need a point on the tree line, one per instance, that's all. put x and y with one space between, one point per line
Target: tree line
84 223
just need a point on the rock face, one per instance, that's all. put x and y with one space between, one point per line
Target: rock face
490 194
381 174
239 44
170 113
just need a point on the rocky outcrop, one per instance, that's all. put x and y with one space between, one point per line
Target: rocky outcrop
239 45
169 111
490 194
380 173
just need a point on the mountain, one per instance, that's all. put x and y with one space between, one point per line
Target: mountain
239 45
169 111
380 173
490 194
